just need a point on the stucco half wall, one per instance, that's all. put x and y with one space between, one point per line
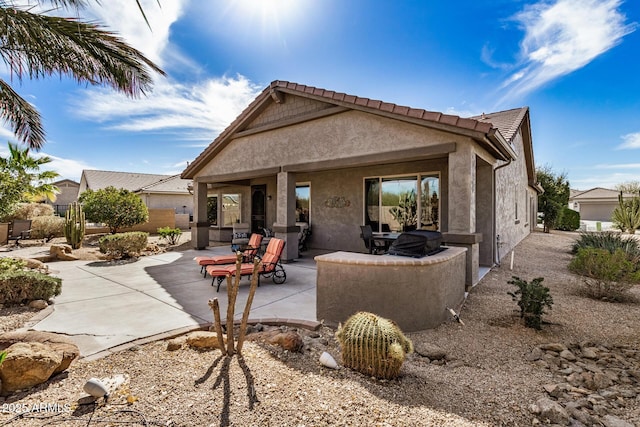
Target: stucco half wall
415 293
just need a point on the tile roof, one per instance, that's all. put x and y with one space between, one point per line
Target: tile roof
132 181
598 193
481 125
507 122
172 184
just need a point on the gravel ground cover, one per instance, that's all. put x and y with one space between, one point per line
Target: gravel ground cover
491 371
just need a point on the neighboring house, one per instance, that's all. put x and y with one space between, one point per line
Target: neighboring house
68 194
596 204
339 161
156 191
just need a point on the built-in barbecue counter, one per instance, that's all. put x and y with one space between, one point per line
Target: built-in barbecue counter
413 292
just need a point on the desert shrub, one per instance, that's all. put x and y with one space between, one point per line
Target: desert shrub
30 211
11 264
609 241
20 286
607 275
117 208
47 227
569 220
532 299
121 245
171 235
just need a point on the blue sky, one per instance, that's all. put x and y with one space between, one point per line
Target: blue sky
575 63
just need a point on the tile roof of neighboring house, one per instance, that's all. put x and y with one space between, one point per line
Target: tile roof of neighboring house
598 193
480 128
171 184
507 121
132 181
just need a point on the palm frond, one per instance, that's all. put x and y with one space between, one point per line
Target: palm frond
37 46
23 118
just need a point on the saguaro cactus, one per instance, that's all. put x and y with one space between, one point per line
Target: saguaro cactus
74 225
373 345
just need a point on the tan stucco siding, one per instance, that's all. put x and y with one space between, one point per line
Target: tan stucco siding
513 203
338 228
345 135
169 201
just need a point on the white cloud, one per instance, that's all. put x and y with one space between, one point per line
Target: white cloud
196 111
564 36
619 166
202 110
608 180
67 168
631 140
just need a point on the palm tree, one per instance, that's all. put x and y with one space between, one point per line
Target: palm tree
35 45
24 172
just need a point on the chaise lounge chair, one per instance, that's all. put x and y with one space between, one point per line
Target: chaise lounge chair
249 253
270 266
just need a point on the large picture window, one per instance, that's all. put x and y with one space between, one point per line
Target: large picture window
402 203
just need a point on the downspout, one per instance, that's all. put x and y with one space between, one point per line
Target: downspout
496 238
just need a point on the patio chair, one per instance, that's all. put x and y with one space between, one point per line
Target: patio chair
374 246
240 237
270 267
20 230
250 251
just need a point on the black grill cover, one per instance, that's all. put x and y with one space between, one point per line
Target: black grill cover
417 243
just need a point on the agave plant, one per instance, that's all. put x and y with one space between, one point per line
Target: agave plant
626 215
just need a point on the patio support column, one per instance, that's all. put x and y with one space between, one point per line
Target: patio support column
200 225
285 226
462 208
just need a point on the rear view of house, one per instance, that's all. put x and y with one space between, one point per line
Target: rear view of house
300 155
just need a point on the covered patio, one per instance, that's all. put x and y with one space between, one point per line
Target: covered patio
300 155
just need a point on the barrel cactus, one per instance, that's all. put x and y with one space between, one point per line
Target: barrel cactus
74 225
373 345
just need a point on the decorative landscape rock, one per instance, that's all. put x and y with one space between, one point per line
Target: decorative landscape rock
290 341
38 304
62 252
58 343
27 365
595 386
430 351
202 340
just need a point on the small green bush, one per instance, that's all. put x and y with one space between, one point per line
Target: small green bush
569 220
532 299
608 240
47 227
121 245
172 235
11 264
20 286
607 275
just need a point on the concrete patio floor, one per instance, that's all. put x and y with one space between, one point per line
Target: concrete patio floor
105 307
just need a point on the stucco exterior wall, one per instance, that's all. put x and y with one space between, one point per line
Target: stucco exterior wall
513 201
338 228
349 134
169 201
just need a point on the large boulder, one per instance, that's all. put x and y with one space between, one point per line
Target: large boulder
62 252
58 343
27 364
202 340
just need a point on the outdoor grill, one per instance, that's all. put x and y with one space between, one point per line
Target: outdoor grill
417 243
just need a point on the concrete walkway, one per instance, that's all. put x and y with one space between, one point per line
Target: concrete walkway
105 307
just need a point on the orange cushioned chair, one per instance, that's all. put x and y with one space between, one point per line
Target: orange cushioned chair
270 267
249 253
